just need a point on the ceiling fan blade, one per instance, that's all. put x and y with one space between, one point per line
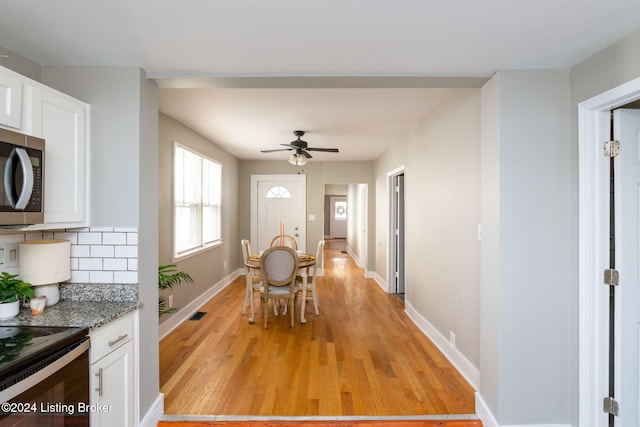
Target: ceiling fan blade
327 150
279 149
307 155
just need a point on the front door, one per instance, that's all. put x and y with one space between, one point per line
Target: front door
626 127
276 200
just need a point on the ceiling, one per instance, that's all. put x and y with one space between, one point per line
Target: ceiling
356 74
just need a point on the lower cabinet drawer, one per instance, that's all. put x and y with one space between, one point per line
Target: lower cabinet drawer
110 337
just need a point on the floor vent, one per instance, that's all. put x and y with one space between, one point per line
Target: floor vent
344 252
199 315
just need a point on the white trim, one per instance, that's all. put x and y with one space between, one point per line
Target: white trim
378 279
155 413
593 130
354 257
186 312
457 359
484 413
537 425
390 231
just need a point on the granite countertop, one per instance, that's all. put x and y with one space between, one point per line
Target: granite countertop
82 305
91 314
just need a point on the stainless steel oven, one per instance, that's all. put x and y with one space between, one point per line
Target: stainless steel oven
44 376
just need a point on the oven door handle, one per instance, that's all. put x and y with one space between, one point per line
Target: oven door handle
44 373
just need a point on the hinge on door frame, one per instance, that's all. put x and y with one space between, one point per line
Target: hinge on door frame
611 148
611 277
610 406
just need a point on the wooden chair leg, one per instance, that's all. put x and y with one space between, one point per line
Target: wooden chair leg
315 300
265 310
292 304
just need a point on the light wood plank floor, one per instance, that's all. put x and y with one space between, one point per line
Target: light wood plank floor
361 357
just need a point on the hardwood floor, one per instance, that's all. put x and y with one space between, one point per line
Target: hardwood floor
361 356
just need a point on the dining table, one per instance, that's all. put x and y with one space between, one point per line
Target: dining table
253 264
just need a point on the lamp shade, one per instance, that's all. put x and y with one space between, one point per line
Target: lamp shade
44 262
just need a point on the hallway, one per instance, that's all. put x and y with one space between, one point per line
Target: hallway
361 357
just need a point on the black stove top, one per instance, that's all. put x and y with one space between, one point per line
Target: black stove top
21 346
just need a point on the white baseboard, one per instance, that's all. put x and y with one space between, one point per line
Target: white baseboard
484 413
379 280
154 414
535 425
186 312
353 256
457 359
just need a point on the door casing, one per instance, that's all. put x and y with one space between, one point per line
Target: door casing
594 128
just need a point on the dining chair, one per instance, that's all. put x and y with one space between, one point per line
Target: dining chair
287 240
310 274
256 279
279 268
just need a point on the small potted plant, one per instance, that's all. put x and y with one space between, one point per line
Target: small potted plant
168 277
12 291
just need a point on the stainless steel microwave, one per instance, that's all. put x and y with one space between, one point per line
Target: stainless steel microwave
22 175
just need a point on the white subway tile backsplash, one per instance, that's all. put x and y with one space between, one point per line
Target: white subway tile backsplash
101 277
115 264
98 254
80 251
79 276
132 239
126 252
125 277
102 229
125 229
72 237
114 238
90 264
102 251
90 238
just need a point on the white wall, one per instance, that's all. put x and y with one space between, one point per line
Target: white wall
124 160
209 267
442 201
526 277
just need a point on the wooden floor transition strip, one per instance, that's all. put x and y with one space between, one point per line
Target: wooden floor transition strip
464 420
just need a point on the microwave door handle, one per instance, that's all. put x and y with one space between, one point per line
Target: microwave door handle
27 173
9 186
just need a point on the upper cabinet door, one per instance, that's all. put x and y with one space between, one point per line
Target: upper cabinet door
10 99
62 121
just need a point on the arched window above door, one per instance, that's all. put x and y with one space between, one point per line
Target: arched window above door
278 192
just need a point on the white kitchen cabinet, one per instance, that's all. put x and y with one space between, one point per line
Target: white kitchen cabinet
10 99
62 121
113 371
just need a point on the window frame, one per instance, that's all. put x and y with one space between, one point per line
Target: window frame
200 245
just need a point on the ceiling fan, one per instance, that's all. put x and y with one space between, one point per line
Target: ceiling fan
301 150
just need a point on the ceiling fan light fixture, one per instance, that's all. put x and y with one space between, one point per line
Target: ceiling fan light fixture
298 160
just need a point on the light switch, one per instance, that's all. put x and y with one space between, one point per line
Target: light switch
312 217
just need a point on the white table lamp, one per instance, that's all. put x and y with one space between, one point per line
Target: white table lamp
44 263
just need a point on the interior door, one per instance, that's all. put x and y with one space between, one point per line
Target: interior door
398 234
626 127
275 200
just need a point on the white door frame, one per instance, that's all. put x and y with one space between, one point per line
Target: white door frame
593 226
391 288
